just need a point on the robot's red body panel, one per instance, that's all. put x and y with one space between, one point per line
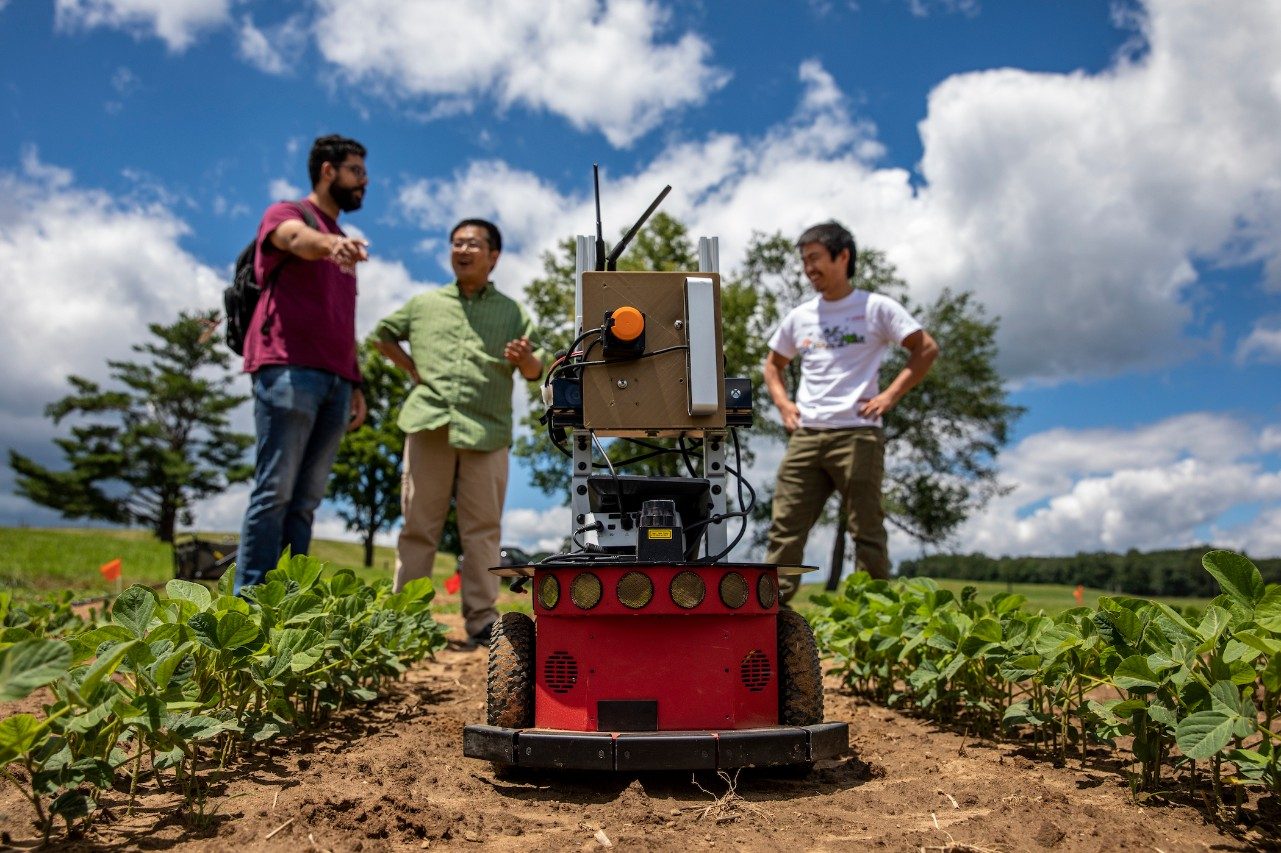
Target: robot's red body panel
658 666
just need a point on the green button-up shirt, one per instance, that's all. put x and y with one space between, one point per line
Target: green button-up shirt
457 347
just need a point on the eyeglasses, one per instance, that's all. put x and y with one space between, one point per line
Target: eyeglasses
469 245
358 171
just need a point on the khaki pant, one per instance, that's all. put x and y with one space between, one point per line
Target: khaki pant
850 461
477 481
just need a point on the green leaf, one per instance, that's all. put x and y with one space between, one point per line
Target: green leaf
103 667
235 630
134 609
1204 734
1271 676
303 570
30 664
304 646
344 583
72 804
1213 624
86 645
201 728
1226 696
269 594
91 719
187 591
18 734
1133 673
163 670
205 628
301 608
1159 713
1244 646
1268 611
1019 714
1237 576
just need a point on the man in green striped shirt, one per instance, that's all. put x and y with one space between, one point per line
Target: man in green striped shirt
465 341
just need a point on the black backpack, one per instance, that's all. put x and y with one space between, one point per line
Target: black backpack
241 298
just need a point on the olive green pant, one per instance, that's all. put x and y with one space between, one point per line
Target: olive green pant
849 461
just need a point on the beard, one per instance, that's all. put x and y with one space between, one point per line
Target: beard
347 198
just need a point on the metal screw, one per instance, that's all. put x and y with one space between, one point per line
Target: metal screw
679 324
622 383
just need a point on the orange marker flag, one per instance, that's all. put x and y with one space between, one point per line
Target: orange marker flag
453 583
111 570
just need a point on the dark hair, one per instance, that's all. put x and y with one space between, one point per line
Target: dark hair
835 237
495 239
331 149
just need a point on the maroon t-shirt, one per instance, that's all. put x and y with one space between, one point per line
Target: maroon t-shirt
307 316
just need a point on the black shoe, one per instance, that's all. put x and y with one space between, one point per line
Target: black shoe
481 637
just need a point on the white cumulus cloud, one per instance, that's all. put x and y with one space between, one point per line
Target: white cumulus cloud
1075 206
1263 343
175 22
274 49
602 64
536 530
1159 485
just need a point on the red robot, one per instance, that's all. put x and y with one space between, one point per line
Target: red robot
649 649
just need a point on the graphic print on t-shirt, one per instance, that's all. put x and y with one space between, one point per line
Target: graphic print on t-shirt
834 337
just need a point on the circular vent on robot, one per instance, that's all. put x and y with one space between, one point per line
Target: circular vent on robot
734 590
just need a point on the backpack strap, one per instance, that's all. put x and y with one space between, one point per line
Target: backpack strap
310 219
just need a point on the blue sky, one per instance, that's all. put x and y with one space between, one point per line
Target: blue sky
1101 174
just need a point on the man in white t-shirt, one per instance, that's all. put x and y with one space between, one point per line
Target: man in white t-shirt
836 441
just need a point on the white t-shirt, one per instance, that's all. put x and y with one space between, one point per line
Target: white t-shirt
841 344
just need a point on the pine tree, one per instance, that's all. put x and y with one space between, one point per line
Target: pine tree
148 451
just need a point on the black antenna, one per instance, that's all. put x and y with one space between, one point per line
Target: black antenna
600 237
611 262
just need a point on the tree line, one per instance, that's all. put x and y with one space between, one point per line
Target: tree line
1152 573
146 452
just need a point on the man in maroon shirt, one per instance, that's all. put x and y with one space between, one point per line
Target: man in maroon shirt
300 350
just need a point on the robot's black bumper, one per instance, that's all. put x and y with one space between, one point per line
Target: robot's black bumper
635 751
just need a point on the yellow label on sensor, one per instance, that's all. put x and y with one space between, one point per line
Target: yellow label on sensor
660 533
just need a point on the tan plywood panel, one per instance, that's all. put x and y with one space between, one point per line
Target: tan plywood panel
646 396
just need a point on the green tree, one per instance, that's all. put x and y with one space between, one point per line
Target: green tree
365 482
151 449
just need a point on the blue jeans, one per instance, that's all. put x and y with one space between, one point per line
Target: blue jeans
300 415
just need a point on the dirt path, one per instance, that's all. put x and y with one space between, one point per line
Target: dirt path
392 777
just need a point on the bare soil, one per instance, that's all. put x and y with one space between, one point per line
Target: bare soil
391 776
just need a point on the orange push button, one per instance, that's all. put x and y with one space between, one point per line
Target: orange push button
629 323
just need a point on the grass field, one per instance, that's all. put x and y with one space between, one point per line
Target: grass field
49 560
1052 598
39 561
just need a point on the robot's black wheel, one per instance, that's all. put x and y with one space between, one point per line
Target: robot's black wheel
509 694
800 680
